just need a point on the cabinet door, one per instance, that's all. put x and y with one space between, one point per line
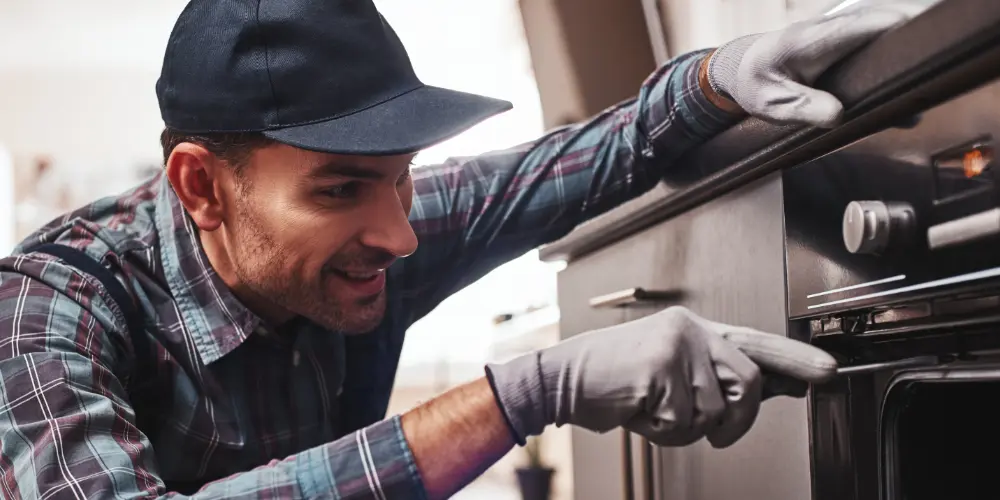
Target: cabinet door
726 260
639 261
733 267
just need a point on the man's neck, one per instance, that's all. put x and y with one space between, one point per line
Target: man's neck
219 258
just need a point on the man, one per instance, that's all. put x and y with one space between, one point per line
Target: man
274 267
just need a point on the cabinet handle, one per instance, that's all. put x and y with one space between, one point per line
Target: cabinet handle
645 463
635 296
647 470
628 492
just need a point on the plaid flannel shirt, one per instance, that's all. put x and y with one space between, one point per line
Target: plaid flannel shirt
298 413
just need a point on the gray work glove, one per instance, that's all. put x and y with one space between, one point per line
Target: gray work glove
672 377
770 75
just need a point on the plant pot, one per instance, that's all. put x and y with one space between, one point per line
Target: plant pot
535 482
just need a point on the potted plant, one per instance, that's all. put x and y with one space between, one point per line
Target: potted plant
535 478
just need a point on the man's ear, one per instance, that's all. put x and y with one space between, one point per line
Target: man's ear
197 176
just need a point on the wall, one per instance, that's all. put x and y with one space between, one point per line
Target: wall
697 24
79 91
6 201
81 87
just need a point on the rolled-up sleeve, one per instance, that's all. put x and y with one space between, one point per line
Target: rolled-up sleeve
374 462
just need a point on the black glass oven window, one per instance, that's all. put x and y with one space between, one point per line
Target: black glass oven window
948 442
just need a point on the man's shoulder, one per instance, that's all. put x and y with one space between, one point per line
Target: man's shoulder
119 232
110 226
47 305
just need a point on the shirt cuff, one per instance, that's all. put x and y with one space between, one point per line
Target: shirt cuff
694 106
375 462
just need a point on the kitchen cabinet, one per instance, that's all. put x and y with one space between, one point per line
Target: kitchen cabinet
725 262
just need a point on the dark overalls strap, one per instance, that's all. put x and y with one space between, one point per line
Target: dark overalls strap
146 402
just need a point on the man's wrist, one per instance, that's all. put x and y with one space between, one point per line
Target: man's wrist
718 100
503 411
453 438
520 394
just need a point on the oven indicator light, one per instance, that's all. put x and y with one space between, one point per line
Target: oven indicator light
975 162
964 171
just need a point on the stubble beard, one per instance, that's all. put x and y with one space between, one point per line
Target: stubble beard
259 266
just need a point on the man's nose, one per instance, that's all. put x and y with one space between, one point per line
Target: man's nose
389 229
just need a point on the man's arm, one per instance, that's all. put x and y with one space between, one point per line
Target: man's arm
456 437
67 429
473 214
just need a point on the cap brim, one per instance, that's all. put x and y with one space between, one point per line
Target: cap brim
404 124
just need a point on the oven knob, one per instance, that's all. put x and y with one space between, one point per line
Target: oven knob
871 227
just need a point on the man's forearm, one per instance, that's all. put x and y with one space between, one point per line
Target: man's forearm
492 208
456 437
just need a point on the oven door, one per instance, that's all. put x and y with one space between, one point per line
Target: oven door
912 414
939 433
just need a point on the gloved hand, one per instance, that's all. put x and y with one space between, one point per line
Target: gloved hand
769 75
672 377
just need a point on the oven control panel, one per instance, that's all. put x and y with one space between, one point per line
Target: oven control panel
905 214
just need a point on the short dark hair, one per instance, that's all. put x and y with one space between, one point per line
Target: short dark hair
232 147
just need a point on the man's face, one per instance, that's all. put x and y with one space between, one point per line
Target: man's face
311 233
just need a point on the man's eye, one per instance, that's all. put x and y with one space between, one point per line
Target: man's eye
341 191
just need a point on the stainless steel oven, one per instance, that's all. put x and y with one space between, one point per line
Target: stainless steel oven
893 264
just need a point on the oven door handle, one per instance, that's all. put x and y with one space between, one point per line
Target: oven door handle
889 365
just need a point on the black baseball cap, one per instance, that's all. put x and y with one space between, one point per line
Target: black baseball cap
323 75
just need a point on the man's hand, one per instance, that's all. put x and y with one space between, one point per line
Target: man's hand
672 377
770 75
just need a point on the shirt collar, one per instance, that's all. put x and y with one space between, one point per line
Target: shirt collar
214 318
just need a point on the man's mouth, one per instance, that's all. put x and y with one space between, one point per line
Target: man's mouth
359 276
363 283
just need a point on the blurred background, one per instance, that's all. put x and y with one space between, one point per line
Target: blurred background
79 120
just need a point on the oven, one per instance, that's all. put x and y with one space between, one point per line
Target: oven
892 250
